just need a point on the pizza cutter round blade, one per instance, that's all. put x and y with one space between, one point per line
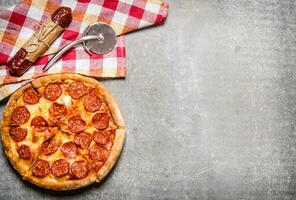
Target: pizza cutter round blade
106 41
98 38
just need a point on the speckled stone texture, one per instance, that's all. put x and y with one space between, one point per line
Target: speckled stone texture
209 102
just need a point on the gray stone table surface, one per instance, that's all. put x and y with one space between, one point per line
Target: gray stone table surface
210 105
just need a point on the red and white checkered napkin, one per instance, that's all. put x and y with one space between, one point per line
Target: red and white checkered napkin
19 22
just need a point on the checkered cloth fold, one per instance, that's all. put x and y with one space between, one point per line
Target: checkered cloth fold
19 22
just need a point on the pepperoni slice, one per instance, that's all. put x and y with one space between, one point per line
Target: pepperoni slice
60 168
24 152
92 102
77 90
76 124
102 137
30 96
50 146
18 134
39 124
82 140
79 169
96 166
98 153
57 110
21 115
100 121
69 149
52 91
40 168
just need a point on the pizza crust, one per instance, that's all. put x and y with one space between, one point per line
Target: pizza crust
52 183
56 184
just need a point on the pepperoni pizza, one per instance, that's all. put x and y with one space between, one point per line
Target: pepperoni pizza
62 131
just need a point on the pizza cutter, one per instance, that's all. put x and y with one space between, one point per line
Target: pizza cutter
98 38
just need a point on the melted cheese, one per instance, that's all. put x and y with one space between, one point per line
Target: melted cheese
67 100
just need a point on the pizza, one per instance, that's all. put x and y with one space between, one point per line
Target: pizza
62 131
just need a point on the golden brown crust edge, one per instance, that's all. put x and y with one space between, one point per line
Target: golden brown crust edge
116 148
54 184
